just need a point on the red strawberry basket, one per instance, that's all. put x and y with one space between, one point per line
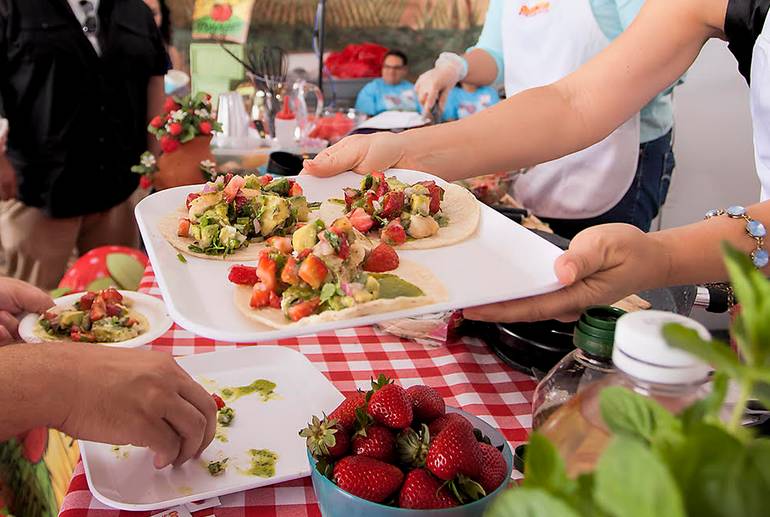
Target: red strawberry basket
333 500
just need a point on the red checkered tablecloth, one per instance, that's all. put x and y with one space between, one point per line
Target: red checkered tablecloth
466 373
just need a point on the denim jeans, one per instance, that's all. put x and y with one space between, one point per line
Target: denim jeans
642 202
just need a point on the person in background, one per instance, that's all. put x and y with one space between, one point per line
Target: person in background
391 92
97 393
530 43
78 102
465 99
162 16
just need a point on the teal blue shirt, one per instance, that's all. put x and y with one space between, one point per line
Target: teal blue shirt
613 17
378 96
461 104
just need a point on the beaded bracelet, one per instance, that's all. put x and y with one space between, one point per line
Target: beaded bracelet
755 229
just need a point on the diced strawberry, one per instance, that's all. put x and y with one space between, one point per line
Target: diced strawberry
260 296
382 258
313 271
240 201
228 177
382 185
183 227
243 275
131 322
264 180
266 272
304 254
275 300
360 220
282 244
392 205
82 336
436 194
351 195
113 310
393 233
344 251
98 309
295 189
49 315
220 403
233 187
111 295
303 309
290 275
86 300
190 198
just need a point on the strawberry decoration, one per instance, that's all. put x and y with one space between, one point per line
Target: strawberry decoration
388 404
205 128
170 104
145 182
421 490
368 478
175 128
156 122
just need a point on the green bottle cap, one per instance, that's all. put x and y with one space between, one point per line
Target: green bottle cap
595 331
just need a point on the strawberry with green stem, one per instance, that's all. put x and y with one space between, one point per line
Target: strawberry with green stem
388 404
325 438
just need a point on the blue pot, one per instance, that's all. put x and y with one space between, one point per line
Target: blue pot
335 502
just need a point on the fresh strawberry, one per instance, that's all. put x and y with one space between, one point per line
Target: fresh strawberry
233 187
220 403
453 451
260 296
436 195
351 195
303 309
243 275
376 442
389 405
111 295
86 300
325 438
313 271
382 258
368 478
98 309
190 198
360 220
427 404
441 422
421 490
392 204
494 469
393 234
289 274
345 413
266 272
264 180
295 189
282 244
274 300
183 227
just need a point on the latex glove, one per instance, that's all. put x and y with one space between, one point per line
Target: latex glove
435 84
603 264
136 397
360 153
17 298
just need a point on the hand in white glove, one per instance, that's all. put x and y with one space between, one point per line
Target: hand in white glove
436 83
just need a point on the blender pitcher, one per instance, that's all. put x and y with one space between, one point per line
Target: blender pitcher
308 103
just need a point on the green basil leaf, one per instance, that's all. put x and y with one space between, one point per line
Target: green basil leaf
529 502
544 467
630 481
630 414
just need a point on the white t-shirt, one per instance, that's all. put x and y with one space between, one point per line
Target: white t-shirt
80 14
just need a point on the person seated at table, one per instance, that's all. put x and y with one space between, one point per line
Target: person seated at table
97 393
465 99
391 92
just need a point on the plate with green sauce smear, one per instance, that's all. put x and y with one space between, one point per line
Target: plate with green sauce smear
268 390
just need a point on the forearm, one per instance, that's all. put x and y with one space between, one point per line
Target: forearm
37 381
482 68
694 254
155 98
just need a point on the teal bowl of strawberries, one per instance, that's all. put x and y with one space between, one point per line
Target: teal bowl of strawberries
397 452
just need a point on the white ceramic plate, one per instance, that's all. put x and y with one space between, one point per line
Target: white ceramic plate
151 307
126 478
501 261
394 120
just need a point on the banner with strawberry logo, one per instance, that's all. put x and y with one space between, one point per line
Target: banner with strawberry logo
225 20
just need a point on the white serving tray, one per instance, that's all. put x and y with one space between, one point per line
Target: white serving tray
126 478
501 261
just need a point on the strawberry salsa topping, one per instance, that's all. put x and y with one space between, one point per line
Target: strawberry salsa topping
395 209
321 269
98 317
235 210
